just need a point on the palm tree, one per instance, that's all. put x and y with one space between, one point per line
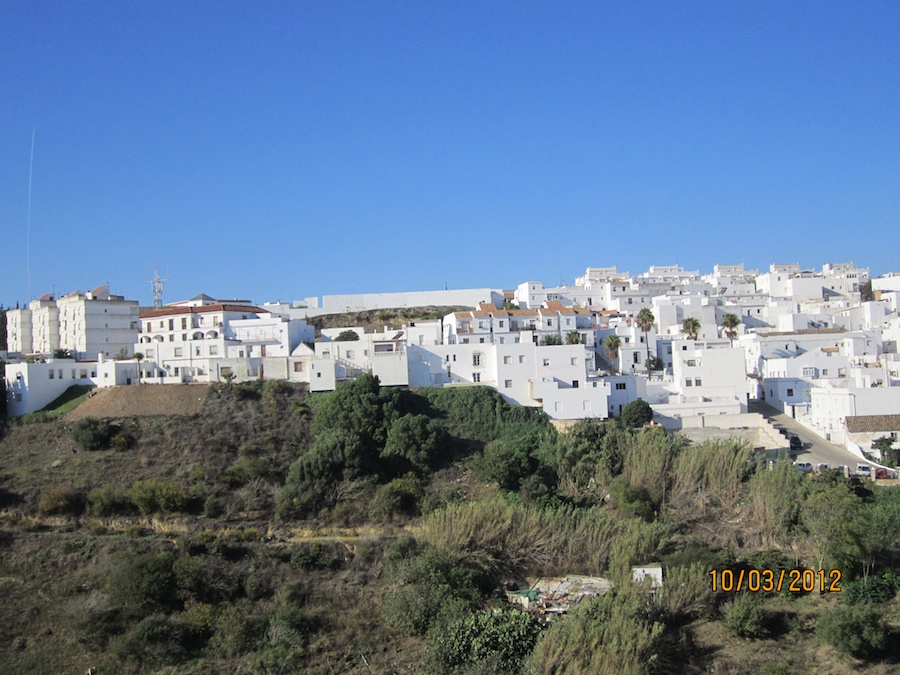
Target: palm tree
691 328
730 322
612 343
138 357
645 320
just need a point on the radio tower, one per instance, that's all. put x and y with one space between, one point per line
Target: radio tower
157 285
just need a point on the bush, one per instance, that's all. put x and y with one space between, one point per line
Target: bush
155 638
400 496
61 500
142 583
92 434
637 413
858 630
495 642
245 470
875 589
746 617
156 495
109 500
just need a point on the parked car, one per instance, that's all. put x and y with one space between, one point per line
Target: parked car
821 466
864 470
796 443
805 467
883 473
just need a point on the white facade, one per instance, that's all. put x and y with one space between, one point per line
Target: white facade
97 323
18 331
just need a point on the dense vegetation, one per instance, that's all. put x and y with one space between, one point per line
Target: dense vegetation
368 530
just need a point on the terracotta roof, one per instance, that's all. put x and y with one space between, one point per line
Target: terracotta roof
202 309
861 423
830 349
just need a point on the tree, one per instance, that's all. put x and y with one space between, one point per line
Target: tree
691 328
637 413
552 339
138 357
730 322
645 320
347 336
62 353
613 344
573 338
415 439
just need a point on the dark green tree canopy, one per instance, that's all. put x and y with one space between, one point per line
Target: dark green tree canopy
347 336
637 413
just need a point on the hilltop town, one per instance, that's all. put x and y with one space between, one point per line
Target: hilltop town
819 345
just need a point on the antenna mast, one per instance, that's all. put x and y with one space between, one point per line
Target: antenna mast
157 285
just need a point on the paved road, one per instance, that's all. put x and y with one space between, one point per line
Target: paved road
815 449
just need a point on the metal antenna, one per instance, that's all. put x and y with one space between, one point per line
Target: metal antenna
157 285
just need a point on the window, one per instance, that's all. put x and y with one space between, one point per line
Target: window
318 374
790 392
502 341
178 351
501 323
549 323
809 372
171 338
196 351
241 354
298 367
620 386
51 374
183 323
476 359
824 372
481 340
507 359
684 348
688 383
698 382
476 377
171 324
636 357
521 358
454 357
507 384
574 384
213 350
546 362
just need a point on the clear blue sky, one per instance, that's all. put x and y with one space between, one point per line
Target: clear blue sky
275 150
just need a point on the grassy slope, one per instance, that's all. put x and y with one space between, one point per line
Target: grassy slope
54 569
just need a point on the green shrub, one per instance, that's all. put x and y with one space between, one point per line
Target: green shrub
858 630
636 414
156 638
142 583
109 500
874 589
61 500
245 470
124 440
400 496
237 632
497 642
746 617
156 495
92 434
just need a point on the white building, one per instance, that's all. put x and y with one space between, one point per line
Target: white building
97 322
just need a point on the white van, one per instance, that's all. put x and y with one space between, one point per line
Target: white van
864 470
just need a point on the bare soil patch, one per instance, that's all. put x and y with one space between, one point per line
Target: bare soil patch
141 400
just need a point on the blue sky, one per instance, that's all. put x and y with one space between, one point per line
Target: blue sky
276 150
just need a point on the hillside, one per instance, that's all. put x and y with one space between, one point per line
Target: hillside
143 400
262 529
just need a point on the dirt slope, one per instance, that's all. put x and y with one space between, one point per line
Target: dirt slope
143 399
